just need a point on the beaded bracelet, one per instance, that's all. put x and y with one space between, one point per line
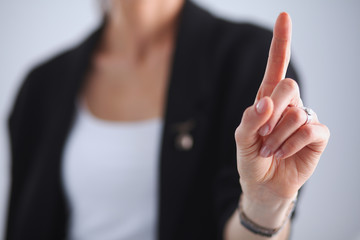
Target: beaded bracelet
260 230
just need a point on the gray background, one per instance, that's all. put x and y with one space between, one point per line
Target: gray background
326 37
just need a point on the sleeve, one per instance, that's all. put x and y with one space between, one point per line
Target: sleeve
19 145
20 124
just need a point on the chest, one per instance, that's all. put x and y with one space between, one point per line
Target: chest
110 177
122 89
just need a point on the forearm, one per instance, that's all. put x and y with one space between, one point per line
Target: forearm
267 214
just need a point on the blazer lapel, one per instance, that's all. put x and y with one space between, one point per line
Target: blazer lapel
184 116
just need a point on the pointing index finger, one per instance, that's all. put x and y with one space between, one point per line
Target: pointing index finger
279 55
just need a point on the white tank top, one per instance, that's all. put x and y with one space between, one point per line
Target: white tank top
110 177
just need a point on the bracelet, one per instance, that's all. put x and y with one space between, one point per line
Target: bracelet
260 230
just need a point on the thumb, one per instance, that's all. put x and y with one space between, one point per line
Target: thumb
253 118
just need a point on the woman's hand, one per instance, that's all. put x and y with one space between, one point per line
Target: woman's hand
277 151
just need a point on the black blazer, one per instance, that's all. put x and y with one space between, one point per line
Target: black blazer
216 70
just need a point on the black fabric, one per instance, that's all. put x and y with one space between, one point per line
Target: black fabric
216 70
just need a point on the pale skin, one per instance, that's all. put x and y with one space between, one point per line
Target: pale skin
128 78
276 152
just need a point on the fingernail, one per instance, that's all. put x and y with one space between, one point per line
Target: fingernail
261 106
265 151
264 130
279 154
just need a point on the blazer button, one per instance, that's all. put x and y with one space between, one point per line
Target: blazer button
184 141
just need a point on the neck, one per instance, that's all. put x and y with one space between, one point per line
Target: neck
135 25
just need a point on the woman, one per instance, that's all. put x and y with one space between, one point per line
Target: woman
167 75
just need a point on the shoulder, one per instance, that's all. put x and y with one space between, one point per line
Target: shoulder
241 34
39 78
242 43
54 78
219 34
236 46
58 69
238 53
57 63
43 73
229 34
241 47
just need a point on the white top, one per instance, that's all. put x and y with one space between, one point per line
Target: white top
110 177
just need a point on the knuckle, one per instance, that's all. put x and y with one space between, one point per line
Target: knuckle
245 118
237 133
289 146
247 114
271 143
326 131
295 115
307 132
290 85
277 59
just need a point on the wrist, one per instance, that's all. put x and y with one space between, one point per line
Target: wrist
269 213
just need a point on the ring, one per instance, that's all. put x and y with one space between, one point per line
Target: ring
309 114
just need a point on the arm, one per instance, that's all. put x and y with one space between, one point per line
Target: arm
278 149
264 215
